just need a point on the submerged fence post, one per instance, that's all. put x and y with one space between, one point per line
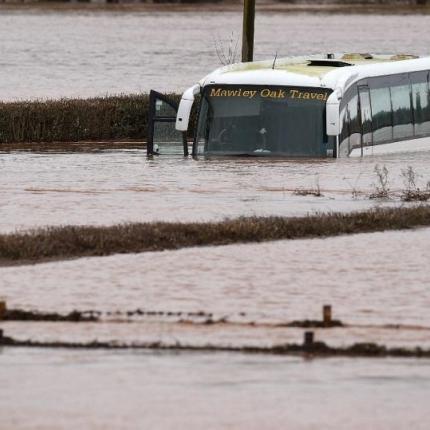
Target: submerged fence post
248 30
2 309
327 315
308 338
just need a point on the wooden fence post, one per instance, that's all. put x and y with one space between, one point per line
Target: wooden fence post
2 309
248 30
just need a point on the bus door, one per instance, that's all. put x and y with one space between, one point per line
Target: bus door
163 138
366 117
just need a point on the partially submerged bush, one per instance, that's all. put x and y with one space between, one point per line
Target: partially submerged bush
72 120
315 191
412 192
382 190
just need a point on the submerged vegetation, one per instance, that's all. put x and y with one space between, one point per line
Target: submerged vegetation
316 349
315 191
382 190
57 243
411 192
112 118
72 120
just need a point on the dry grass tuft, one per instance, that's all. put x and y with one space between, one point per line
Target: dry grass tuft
412 193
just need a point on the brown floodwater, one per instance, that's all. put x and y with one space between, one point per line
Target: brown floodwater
124 186
51 389
371 280
84 53
377 283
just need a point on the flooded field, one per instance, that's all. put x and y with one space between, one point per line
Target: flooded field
371 280
238 295
52 55
123 186
211 391
231 296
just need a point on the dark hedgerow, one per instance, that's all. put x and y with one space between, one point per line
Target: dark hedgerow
71 120
56 243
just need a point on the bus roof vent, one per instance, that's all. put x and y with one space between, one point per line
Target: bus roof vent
357 56
400 57
328 63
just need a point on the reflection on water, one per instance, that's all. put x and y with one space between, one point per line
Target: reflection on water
45 55
124 390
120 186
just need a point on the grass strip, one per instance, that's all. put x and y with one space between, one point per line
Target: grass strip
367 7
316 349
24 315
59 243
197 318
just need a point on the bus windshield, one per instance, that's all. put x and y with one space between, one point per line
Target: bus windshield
255 120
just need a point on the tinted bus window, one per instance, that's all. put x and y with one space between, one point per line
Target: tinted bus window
345 131
421 102
366 115
402 110
355 124
382 121
350 136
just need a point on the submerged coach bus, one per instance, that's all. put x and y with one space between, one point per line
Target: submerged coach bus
337 105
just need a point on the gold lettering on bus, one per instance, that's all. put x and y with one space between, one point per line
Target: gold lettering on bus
273 94
269 93
307 95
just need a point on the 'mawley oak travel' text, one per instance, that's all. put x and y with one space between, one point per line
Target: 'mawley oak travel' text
269 93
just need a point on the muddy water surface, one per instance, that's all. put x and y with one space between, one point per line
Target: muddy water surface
121 186
81 54
123 390
373 281
377 284
220 391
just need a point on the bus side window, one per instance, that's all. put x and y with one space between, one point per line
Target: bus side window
354 124
382 118
421 103
345 132
366 115
402 109
350 136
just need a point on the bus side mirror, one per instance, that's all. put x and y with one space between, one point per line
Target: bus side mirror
333 115
184 110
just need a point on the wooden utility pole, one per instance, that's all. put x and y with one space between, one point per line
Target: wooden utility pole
248 30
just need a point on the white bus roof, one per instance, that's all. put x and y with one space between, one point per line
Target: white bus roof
336 73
